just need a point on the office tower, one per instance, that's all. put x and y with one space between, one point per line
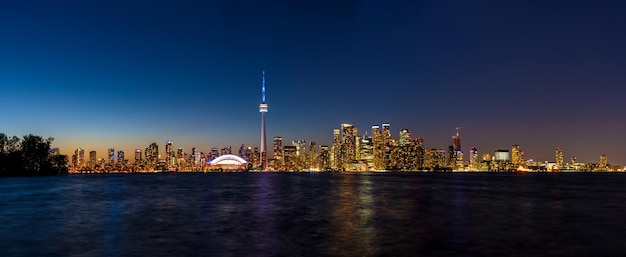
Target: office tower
111 156
92 159
80 157
456 140
278 151
335 156
451 157
559 157
313 160
603 165
169 153
290 157
405 137
152 155
137 156
324 158
502 156
515 155
386 133
263 109
386 145
473 159
377 142
120 157
348 144
366 151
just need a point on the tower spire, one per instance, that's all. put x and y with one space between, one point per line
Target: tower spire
263 88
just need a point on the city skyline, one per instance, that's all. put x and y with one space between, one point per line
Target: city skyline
100 75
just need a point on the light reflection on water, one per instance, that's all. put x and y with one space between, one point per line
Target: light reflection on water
314 214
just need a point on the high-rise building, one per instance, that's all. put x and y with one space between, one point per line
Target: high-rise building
324 158
169 153
473 159
80 157
278 151
335 156
137 156
502 156
111 156
92 159
152 155
559 157
603 165
263 107
515 155
378 144
120 157
456 140
348 143
387 145
290 157
405 137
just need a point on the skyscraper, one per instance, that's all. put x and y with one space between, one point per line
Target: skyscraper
92 159
515 155
405 137
111 154
378 145
137 156
263 109
278 151
169 153
559 157
120 157
348 143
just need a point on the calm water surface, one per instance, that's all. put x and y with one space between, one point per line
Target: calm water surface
314 214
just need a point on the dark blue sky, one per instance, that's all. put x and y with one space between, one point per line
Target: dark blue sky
98 74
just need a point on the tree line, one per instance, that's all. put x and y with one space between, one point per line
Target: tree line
29 156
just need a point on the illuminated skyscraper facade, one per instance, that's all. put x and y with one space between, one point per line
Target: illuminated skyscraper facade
263 108
169 154
515 155
120 157
348 144
111 156
603 165
405 137
278 151
559 157
335 156
138 156
378 148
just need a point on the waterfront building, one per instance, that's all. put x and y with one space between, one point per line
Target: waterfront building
559 157
324 158
120 157
405 137
290 157
137 156
336 150
80 158
111 156
603 165
152 155
515 155
263 108
378 148
92 159
278 151
348 144
169 154
473 166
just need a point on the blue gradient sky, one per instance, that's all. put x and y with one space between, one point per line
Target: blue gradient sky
99 74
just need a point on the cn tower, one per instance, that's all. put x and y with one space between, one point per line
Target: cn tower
263 109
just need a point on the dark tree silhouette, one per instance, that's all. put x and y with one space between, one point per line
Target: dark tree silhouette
29 156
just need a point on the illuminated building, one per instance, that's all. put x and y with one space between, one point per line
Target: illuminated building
335 156
366 151
111 156
92 159
290 157
473 159
377 142
348 145
278 151
324 158
80 158
313 160
120 157
152 155
502 156
458 153
456 140
263 108
515 155
603 165
559 157
169 153
386 148
137 156
405 137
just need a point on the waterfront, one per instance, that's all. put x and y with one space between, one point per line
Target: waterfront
313 214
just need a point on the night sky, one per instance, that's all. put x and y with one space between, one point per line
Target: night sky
123 74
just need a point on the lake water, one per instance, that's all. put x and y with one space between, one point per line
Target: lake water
315 214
